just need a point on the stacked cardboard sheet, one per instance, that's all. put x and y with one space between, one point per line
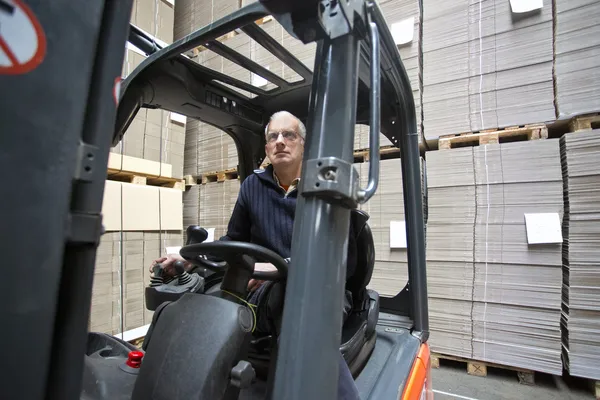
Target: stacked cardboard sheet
404 20
485 66
577 43
122 271
478 254
154 134
517 286
361 138
130 207
207 149
191 15
581 251
191 206
390 274
210 205
450 244
154 17
387 223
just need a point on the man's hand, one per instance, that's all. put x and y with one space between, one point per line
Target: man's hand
254 284
167 263
262 267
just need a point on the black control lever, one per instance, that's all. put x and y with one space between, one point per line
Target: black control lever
157 278
181 274
195 234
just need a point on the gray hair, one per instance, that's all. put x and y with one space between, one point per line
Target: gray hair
301 126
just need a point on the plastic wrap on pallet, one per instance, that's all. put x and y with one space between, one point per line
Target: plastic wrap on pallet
485 67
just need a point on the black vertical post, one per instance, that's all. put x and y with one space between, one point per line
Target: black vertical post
74 301
307 366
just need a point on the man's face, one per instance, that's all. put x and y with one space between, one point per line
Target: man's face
284 145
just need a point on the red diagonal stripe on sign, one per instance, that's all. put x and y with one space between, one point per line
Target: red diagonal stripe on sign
8 52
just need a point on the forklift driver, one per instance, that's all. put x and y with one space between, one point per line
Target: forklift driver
264 215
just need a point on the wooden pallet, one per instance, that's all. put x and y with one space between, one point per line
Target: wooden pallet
138 342
585 123
141 179
479 368
190 180
219 176
362 155
493 136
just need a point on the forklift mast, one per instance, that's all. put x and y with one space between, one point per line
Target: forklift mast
58 113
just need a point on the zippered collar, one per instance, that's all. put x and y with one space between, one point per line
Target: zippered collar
268 175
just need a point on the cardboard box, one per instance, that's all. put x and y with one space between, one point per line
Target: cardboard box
140 165
171 209
112 206
140 209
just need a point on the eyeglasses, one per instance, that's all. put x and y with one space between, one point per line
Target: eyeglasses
288 136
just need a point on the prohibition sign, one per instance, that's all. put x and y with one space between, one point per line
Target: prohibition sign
22 39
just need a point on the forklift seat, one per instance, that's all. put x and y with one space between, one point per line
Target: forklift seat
358 331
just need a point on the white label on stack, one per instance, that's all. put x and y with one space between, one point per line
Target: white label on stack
403 31
178 118
172 250
523 6
543 228
258 80
397 234
211 235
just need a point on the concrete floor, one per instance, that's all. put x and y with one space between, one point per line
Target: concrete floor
451 382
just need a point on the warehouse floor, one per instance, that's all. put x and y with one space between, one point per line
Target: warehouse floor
451 382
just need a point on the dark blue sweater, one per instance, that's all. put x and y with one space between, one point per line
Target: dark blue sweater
264 215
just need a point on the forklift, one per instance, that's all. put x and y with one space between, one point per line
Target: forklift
62 110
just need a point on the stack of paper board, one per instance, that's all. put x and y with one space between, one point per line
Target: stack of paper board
577 44
191 15
154 17
191 206
131 207
485 66
478 254
517 286
215 203
106 297
390 274
581 251
121 273
387 223
404 19
153 134
450 241
207 149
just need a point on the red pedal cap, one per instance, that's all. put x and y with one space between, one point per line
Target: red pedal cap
134 359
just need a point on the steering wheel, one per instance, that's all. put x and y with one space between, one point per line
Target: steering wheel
233 253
